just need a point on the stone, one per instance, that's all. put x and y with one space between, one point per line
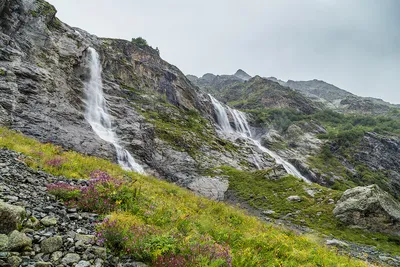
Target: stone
3 242
88 239
18 241
336 243
268 212
294 198
98 263
369 207
49 221
51 244
83 264
211 187
71 258
10 217
99 252
56 256
43 264
32 223
14 261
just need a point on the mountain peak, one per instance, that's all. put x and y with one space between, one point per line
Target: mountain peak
241 74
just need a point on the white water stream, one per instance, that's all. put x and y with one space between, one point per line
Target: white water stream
97 116
242 128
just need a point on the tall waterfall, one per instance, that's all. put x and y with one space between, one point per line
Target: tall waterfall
242 128
97 116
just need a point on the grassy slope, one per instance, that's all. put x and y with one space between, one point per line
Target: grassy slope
313 212
177 213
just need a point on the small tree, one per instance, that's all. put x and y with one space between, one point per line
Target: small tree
141 42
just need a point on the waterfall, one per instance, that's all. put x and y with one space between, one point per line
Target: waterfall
242 128
97 116
222 117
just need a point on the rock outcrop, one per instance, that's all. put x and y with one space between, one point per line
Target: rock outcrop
42 79
369 207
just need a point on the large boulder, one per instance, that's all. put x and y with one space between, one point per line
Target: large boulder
10 217
18 241
369 207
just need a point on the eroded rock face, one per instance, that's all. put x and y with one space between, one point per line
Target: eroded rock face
369 207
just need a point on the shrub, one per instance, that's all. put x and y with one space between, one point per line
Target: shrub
141 42
103 194
64 191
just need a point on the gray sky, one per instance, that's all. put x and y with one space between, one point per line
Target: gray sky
353 44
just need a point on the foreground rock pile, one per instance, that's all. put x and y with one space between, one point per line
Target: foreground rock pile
37 230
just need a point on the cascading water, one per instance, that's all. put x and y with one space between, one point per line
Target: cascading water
97 116
242 128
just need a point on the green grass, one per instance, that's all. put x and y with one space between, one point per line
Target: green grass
168 219
314 212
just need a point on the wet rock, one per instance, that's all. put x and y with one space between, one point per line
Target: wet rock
211 187
51 244
56 256
32 223
49 221
14 261
336 243
369 207
3 242
83 264
43 264
294 199
87 239
18 241
10 217
71 258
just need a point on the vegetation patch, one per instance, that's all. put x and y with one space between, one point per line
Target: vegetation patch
167 224
264 194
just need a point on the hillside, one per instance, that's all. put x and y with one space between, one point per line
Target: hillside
111 156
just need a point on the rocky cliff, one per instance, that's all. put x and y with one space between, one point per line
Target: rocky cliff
158 115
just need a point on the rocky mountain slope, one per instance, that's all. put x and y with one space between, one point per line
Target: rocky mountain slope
157 113
177 132
358 147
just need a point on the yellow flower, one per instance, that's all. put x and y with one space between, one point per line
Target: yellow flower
118 202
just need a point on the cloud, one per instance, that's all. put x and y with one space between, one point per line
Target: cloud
352 44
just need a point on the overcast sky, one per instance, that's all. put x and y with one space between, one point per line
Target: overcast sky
353 44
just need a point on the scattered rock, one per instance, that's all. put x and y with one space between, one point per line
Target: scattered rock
294 198
43 264
71 258
88 239
51 244
83 264
268 212
336 243
49 221
32 223
14 261
3 242
18 241
10 217
56 256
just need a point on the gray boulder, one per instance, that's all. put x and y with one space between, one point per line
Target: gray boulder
3 242
10 217
51 244
18 241
369 207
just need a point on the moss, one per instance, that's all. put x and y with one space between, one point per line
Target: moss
2 72
315 212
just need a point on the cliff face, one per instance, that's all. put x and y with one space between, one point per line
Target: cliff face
158 115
